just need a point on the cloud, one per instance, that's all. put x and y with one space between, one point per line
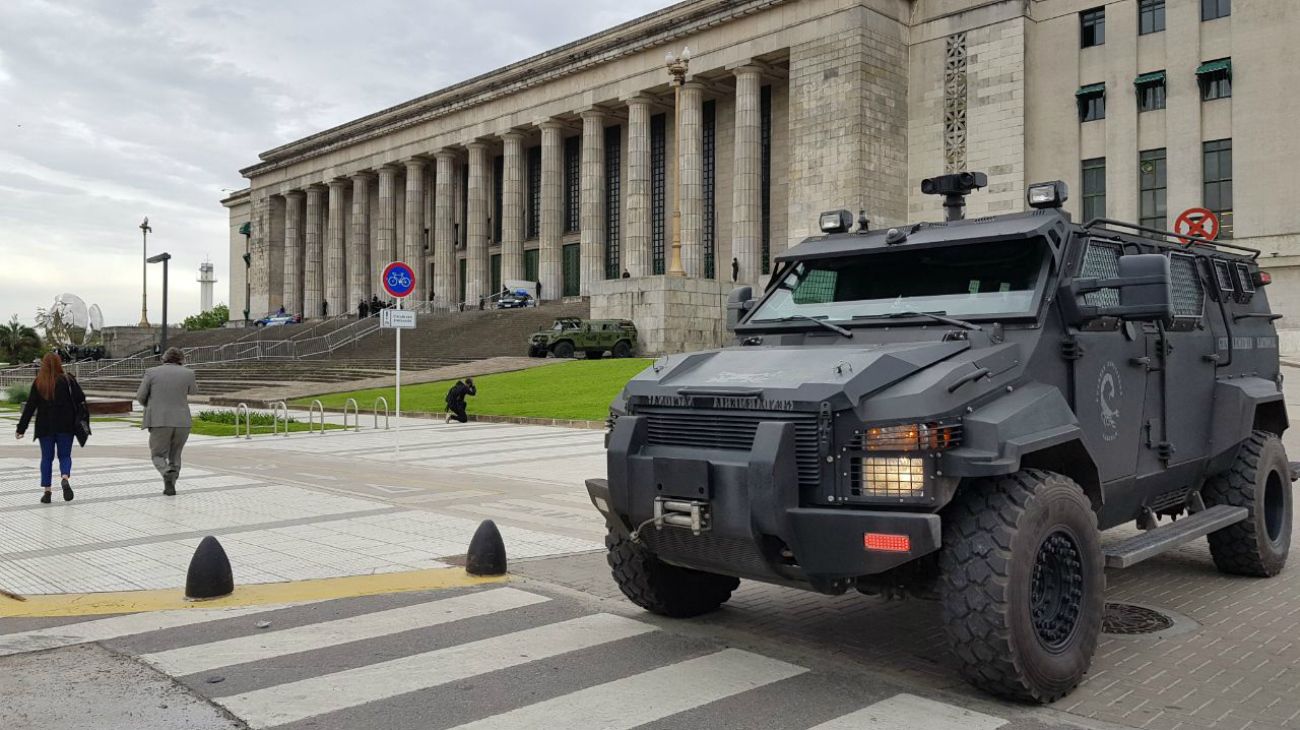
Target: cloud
111 110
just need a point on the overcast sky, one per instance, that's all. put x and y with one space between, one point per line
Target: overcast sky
112 110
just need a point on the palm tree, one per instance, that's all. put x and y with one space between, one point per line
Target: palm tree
18 342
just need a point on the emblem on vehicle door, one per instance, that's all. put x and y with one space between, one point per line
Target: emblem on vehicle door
1110 393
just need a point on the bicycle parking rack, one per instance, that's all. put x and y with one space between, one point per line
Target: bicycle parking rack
248 421
277 408
381 399
311 412
356 416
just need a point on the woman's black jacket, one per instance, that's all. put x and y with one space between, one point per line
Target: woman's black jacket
57 415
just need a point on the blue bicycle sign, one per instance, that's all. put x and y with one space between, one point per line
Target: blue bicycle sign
398 279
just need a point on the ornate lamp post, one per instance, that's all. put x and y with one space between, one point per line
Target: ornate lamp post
145 230
677 67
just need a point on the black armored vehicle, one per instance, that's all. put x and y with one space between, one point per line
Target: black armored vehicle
956 410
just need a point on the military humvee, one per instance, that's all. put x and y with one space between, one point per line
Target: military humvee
957 409
595 337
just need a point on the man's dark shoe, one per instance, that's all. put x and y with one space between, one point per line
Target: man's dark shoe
67 491
45 498
169 487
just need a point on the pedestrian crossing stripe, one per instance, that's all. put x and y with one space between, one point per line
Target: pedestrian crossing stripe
649 696
306 698
909 712
268 645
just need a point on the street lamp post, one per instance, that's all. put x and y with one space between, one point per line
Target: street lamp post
677 67
145 230
162 258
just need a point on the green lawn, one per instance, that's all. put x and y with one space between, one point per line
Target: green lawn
208 428
577 390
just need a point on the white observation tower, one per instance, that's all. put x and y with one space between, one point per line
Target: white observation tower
206 281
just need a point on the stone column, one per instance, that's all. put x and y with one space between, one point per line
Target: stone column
414 253
592 199
690 150
746 179
552 222
293 252
637 192
259 249
444 231
385 251
313 272
476 252
336 283
360 281
512 208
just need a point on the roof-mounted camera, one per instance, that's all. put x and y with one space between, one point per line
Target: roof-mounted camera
954 189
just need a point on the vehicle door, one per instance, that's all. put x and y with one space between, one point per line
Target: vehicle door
1180 373
1108 376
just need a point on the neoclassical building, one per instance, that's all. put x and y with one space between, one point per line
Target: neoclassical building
565 169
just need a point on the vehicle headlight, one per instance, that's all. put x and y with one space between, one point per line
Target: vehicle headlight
912 437
893 476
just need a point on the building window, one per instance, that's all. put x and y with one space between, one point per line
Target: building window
613 199
1218 183
708 226
572 184
1092 102
658 152
1215 79
1152 187
1094 188
494 269
1151 16
530 265
1214 9
1092 28
534 191
765 174
498 195
1150 91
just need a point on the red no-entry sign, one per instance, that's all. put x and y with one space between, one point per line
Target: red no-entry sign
1199 222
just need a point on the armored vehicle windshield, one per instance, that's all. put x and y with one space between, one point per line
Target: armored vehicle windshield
986 280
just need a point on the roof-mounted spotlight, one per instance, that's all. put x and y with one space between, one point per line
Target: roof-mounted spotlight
835 221
1048 195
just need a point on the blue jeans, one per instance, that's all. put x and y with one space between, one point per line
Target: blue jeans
48 443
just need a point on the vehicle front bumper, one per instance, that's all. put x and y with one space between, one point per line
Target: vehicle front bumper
757 528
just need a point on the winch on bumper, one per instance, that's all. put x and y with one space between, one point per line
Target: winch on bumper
737 511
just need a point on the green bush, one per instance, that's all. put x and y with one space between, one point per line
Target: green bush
211 319
257 418
17 393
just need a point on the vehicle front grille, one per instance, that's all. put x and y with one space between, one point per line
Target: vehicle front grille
706 429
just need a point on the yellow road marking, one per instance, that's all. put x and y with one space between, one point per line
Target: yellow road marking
91 604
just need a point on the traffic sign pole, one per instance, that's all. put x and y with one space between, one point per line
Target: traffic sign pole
397 435
398 280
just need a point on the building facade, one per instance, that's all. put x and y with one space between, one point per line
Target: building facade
564 169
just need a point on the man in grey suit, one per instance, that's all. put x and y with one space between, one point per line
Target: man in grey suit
164 394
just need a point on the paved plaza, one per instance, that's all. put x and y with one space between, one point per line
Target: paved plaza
551 648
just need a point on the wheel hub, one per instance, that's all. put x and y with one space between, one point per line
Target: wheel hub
1056 591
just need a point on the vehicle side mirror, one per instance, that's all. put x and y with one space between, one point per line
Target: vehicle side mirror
739 302
1144 292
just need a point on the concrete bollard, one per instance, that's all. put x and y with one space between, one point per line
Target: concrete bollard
487 552
209 575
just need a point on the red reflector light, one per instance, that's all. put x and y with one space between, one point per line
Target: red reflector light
1263 278
887 543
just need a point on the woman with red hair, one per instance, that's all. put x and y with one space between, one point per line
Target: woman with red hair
55 399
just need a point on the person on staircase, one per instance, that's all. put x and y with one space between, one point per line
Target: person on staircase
456 400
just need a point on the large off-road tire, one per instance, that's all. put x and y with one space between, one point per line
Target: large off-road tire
661 588
1259 480
1023 584
622 348
564 348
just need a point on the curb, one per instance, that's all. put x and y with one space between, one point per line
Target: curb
520 420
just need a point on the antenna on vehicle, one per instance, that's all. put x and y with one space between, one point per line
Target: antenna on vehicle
954 189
